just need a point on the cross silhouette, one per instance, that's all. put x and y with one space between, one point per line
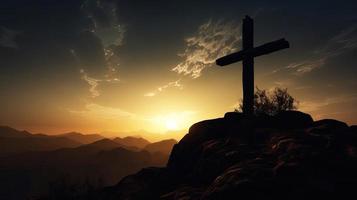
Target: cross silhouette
246 55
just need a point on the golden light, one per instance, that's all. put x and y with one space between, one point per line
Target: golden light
171 124
173 121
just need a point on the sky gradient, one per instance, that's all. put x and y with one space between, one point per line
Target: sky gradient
121 66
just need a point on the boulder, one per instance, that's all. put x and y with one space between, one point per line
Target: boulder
145 184
329 124
292 120
234 116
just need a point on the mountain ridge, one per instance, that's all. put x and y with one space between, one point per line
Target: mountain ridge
82 138
131 141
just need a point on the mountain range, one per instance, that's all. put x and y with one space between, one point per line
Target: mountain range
82 138
34 165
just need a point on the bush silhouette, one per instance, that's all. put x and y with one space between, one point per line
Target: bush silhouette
271 103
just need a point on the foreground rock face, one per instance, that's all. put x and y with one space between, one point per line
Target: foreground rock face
288 156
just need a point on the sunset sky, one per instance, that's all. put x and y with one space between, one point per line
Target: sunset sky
128 65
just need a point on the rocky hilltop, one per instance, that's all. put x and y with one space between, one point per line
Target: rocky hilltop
287 156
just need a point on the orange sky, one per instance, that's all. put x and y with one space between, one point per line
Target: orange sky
95 67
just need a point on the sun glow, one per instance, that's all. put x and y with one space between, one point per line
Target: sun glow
171 124
174 121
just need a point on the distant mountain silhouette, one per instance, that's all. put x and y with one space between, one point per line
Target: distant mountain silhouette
82 138
6 131
151 136
103 144
131 141
164 146
97 164
287 156
35 165
13 141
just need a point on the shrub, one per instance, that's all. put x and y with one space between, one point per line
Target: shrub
271 103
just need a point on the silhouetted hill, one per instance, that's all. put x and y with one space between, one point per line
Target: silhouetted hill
82 138
13 141
288 156
16 145
103 144
150 136
164 146
6 131
130 141
52 173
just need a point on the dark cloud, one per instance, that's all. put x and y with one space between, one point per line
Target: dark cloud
53 37
90 50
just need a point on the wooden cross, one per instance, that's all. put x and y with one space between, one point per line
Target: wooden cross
247 55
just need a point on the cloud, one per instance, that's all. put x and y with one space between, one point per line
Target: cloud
309 106
212 40
102 112
92 82
112 62
96 50
7 37
306 66
173 84
344 41
103 20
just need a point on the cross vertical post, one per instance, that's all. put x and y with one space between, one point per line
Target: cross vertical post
248 67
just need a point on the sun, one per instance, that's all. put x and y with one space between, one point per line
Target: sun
171 124
174 121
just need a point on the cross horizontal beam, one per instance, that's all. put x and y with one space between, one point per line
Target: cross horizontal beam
257 51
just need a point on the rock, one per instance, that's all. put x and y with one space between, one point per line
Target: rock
185 154
234 116
145 184
353 128
292 120
251 179
329 124
204 130
264 121
183 193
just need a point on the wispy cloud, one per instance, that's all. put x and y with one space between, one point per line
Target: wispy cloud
212 40
306 66
92 82
7 37
344 41
309 106
173 84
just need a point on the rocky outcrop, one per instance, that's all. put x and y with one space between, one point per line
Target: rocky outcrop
288 156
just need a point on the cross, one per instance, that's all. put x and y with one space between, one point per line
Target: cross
246 55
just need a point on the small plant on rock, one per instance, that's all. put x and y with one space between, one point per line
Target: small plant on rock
271 103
